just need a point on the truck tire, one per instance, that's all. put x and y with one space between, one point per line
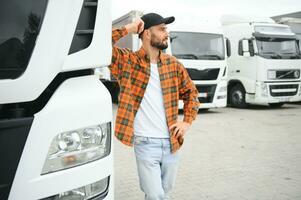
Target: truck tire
276 105
237 96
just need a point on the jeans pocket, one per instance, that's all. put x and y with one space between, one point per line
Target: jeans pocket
140 140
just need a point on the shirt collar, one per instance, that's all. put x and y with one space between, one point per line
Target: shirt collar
142 54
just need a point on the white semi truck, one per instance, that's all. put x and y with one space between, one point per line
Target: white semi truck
55 115
202 50
265 64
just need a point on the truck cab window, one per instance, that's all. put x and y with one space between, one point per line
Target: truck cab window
278 48
20 22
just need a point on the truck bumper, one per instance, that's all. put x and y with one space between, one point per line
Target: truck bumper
266 93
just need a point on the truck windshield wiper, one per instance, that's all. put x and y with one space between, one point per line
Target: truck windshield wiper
274 54
294 55
215 56
211 56
187 56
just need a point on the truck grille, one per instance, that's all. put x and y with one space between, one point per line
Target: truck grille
283 90
206 74
287 74
206 93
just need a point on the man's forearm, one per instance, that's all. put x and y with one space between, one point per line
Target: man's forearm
118 33
191 106
135 27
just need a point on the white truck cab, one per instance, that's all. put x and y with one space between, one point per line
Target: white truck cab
55 115
265 64
201 48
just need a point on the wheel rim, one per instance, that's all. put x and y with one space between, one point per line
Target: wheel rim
237 97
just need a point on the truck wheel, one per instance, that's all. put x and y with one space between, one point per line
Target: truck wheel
237 96
276 105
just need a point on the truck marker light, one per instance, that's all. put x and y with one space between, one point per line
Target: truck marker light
69 159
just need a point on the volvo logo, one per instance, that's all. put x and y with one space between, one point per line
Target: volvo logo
288 74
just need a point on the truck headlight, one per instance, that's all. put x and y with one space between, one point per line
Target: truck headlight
78 147
271 74
99 188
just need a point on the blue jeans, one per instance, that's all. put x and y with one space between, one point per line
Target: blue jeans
157 167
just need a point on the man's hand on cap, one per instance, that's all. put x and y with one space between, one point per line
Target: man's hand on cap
135 27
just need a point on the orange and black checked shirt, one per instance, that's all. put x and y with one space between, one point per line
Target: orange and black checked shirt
132 71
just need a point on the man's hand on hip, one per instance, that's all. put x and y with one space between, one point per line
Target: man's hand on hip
135 27
179 129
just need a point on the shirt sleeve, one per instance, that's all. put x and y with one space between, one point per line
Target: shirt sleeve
189 94
119 55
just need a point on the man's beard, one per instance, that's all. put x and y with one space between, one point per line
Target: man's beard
158 45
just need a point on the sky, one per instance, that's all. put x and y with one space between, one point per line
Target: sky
187 10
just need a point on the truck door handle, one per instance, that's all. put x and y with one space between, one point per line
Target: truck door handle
237 71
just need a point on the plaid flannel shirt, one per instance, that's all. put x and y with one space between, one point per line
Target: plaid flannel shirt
132 71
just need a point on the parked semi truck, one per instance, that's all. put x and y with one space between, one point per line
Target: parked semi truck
202 50
55 114
201 47
265 64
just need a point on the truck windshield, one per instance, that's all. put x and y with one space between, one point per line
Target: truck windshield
197 46
20 22
278 48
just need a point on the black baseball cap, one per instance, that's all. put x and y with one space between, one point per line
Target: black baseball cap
153 19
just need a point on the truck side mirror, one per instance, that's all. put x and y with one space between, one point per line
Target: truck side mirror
245 47
228 47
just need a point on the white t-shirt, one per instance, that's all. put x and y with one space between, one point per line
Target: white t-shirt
150 119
